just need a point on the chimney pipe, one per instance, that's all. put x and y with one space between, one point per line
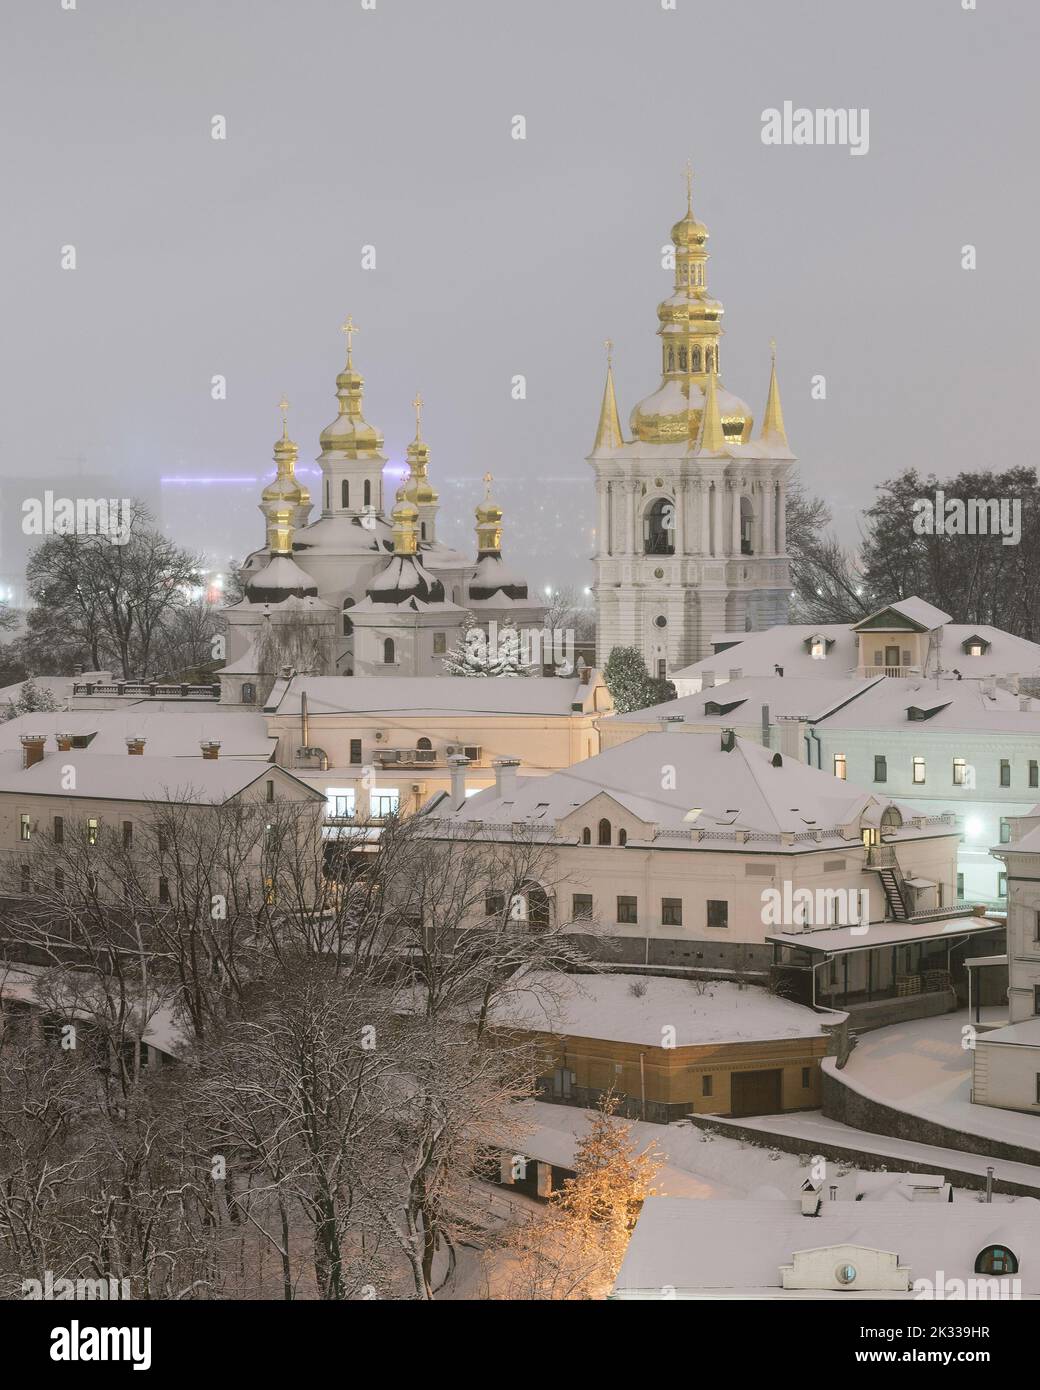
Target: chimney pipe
729 740
305 721
834 1192
32 749
135 746
505 778
210 749
707 680
64 743
458 765
989 1184
1025 704
736 672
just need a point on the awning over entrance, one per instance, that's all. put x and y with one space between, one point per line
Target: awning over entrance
831 940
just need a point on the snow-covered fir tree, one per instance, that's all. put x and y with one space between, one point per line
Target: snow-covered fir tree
498 652
31 700
631 684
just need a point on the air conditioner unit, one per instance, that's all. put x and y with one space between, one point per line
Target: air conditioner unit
418 787
451 748
380 736
473 751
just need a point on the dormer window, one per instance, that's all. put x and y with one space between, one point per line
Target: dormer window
975 645
818 646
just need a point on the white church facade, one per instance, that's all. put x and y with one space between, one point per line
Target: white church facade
690 527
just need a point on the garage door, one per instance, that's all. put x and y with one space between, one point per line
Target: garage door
755 1092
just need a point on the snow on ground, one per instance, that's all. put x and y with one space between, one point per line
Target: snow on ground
923 1068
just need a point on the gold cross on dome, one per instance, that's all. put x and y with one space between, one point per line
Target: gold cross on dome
489 478
418 404
608 343
772 348
283 406
347 327
689 186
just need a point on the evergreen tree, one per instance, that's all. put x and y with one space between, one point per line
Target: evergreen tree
474 655
630 684
31 700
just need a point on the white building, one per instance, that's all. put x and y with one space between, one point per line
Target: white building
690 533
970 748
820 1249
689 849
1006 1061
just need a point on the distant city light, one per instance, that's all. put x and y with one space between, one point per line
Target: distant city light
973 826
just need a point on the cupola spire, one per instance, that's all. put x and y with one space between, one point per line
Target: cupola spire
608 431
773 420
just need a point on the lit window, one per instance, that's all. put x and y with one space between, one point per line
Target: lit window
958 772
25 827
339 802
918 770
1002 885
383 802
996 1259
840 766
93 831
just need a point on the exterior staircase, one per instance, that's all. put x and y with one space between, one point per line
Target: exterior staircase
882 858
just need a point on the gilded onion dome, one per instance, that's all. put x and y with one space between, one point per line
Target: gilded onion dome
350 433
285 487
690 329
417 485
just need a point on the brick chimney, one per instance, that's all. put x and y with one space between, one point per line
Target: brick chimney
210 749
32 748
64 742
135 746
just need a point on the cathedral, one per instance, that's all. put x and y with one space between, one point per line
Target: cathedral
690 526
365 589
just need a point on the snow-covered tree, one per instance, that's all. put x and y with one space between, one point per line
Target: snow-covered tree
477 653
630 684
31 700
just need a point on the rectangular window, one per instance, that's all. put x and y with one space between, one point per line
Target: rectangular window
270 790
1036 927
960 887
440 643
355 751
494 904
161 841
1034 773
59 830
128 834
718 912
671 912
840 766
1038 1088
164 890
806 1077
958 772
706 1085
25 827
93 830
383 802
1005 831
1001 885
880 767
627 910
918 771
339 802
662 668
1005 772
1036 999
581 906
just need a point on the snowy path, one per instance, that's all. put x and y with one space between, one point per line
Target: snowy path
923 1068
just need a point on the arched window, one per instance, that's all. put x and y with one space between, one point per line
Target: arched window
344 493
996 1259
891 818
368 493
622 837
682 359
707 359
671 359
747 519
348 626
659 528
248 693
586 836
695 359
604 832
388 651
425 744
328 494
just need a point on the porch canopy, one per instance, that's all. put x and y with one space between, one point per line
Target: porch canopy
833 940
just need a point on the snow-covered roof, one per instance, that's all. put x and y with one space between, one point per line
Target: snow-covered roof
279 579
727 1248
1024 1034
345 535
915 610
435 695
178 734
785 696
112 777
638 1008
740 790
787 645
835 939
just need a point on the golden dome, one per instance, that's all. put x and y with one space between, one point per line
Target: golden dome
350 433
404 509
688 232
285 487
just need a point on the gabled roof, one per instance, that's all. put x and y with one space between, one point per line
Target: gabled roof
435 695
111 777
915 614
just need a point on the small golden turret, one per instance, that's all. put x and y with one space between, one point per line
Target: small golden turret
417 484
404 520
350 433
608 431
489 521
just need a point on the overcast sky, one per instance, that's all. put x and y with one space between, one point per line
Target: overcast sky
391 127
